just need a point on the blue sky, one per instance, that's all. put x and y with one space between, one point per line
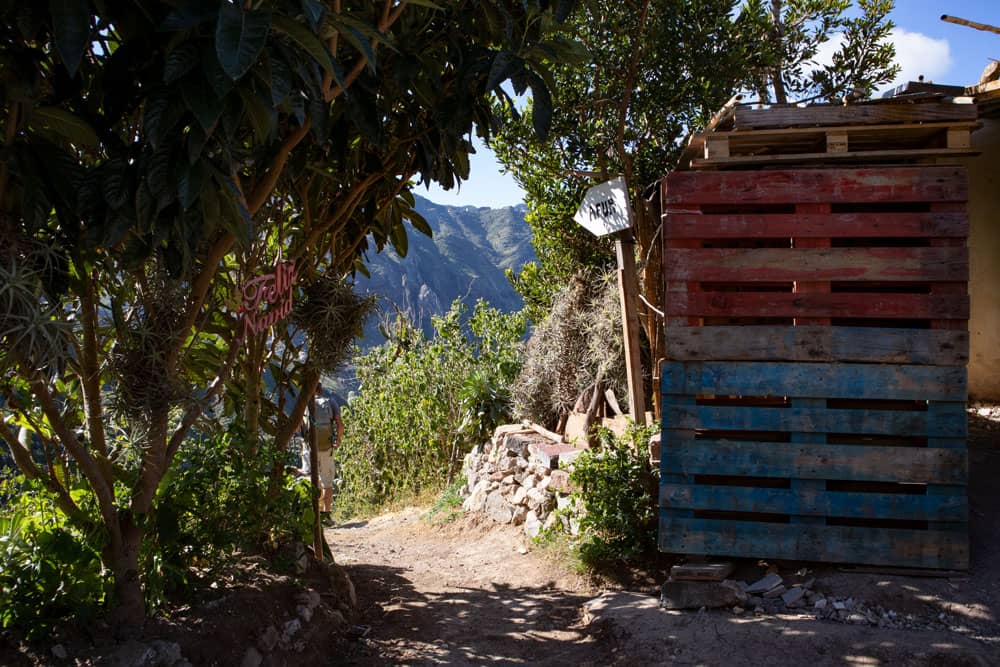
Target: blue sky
942 52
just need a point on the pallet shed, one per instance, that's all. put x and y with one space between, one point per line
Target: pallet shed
816 307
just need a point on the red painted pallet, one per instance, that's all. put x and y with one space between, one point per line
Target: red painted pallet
876 247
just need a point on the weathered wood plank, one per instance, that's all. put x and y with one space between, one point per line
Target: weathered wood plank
816 502
701 571
797 159
818 343
816 380
941 264
839 544
681 224
948 421
673 475
861 463
817 304
746 118
784 186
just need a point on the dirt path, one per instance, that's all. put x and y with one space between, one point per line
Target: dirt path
475 592
461 594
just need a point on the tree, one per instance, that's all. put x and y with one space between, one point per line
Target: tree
794 31
157 154
655 70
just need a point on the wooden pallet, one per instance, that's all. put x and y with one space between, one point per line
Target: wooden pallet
825 476
854 247
813 404
879 113
856 143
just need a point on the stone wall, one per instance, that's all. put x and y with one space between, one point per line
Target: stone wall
521 477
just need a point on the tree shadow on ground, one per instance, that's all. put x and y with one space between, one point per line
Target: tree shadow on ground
496 624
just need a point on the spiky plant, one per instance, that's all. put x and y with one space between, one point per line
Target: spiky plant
331 315
579 342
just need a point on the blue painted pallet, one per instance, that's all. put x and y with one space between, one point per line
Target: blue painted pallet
787 477
807 380
946 549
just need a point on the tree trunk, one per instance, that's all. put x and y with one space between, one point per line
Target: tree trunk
253 369
778 37
122 556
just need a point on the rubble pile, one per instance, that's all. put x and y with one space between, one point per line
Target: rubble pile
521 477
772 594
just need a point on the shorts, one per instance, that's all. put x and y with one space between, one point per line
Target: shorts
327 460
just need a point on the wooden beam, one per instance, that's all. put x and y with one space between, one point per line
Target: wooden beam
820 186
838 544
628 289
752 265
682 224
975 25
818 304
816 380
818 343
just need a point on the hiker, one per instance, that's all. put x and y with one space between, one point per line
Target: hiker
327 414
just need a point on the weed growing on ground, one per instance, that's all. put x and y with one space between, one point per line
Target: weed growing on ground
448 505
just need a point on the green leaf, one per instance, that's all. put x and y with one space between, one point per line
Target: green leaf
314 12
71 29
259 114
309 43
541 108
190 184
66 125
214 74
424 3
281 80
189 15
400 241
180 61
505 64
359 42
239 38
563 9
202 102
419 223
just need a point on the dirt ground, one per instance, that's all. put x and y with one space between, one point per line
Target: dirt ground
465 593
472 592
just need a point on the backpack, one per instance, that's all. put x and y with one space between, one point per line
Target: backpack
326 411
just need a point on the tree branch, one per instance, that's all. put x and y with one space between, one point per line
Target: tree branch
90 373
264 189
22 458
195 411
103 488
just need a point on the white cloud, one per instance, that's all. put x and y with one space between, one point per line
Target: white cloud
916 53
919 54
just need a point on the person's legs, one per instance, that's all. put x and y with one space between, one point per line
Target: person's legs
327 470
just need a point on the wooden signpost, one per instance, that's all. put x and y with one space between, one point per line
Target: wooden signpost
605 210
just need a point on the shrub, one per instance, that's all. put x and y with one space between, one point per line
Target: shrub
213 503
49 571
424 402
618 491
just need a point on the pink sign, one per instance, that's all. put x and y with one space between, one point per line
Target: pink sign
267 299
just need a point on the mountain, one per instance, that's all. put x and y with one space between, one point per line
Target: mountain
466 258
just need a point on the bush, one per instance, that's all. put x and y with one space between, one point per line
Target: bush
618 491
424 403
49 571
214 503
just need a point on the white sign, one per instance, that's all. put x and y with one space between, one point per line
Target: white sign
605 208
